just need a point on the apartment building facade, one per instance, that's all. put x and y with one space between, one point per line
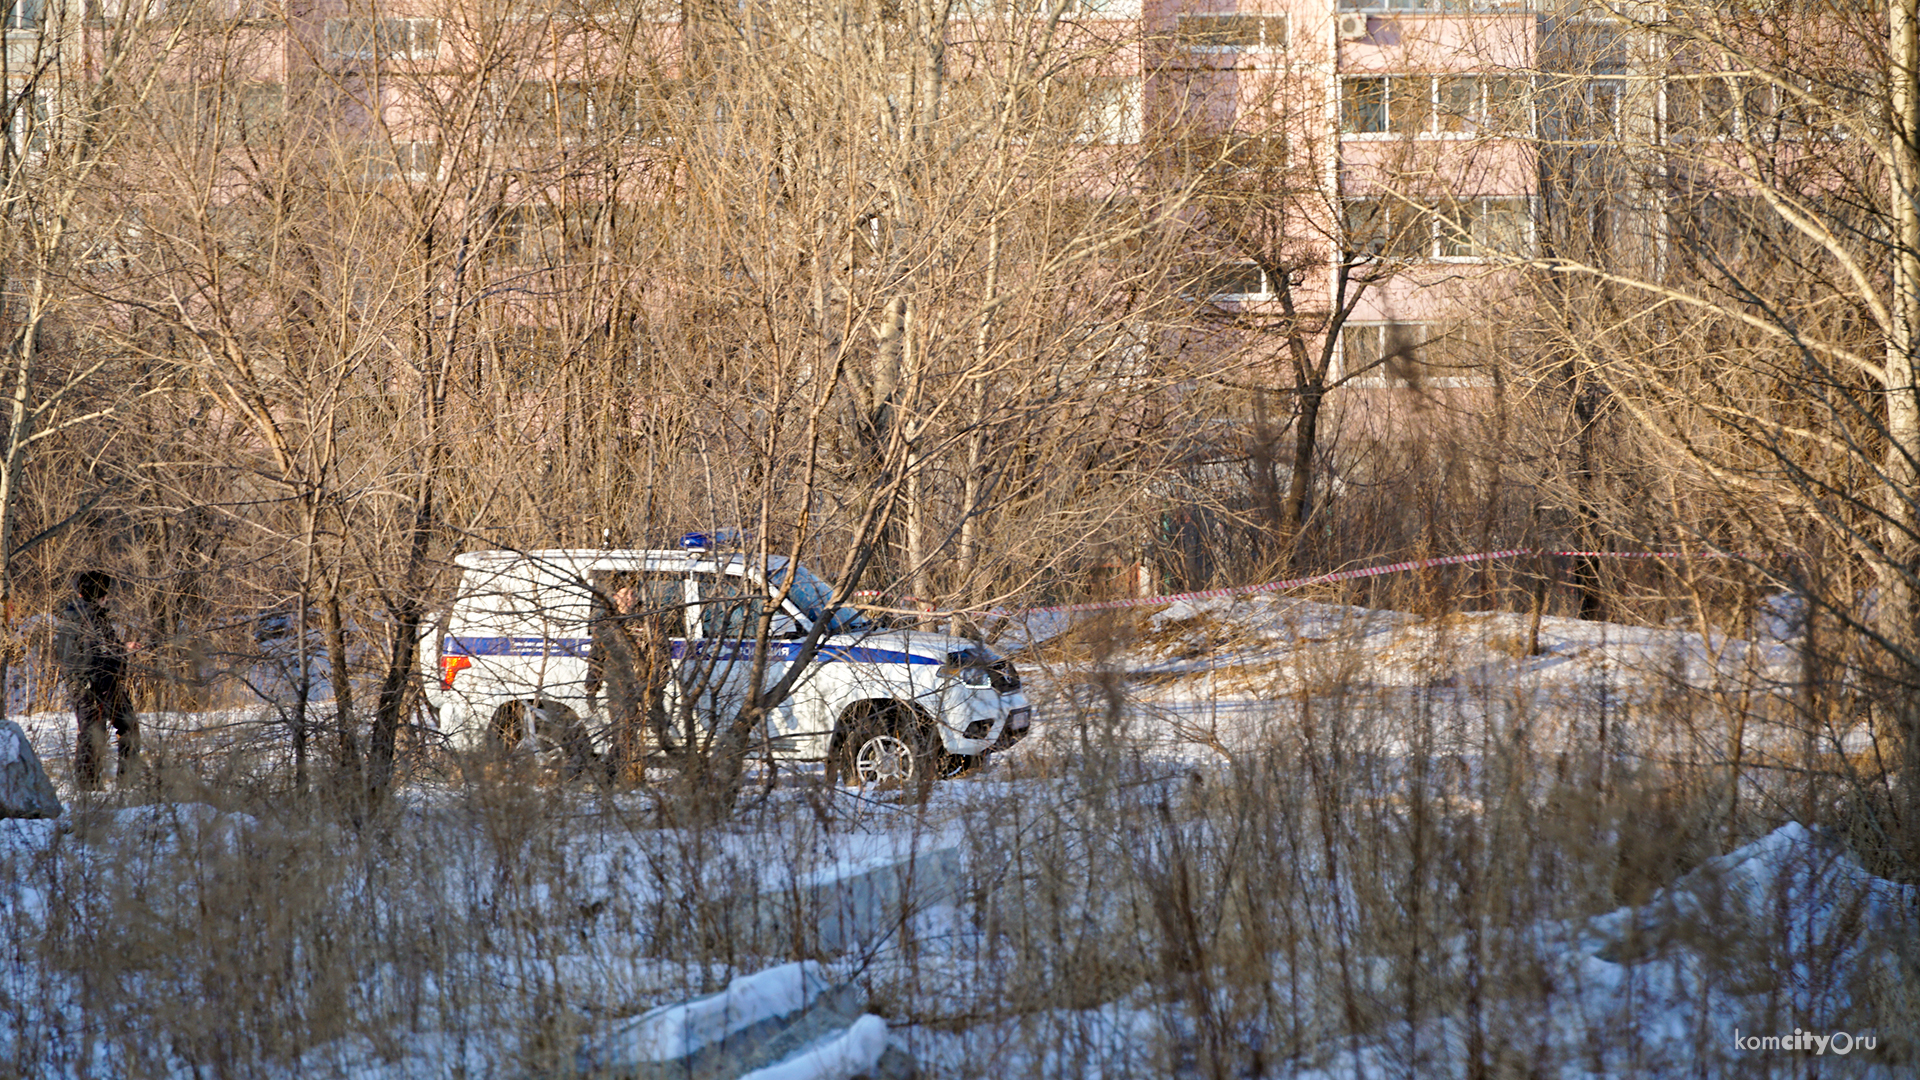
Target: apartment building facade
1402 157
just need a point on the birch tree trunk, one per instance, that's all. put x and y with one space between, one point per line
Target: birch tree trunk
1898 592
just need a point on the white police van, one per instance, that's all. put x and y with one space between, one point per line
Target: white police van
513 665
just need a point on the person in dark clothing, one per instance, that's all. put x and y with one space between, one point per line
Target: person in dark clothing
610 668
93 660
629 662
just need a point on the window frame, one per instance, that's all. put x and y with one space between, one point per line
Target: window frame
1482 121
1430 331
1099 122
1390 244
1446 230
387 161
31 139
569 229
1268 292
1432 234
593 100
1122 112
1209 42
34 17
336 33
1608 120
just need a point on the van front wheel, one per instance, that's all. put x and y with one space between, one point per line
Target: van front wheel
888 747
886 760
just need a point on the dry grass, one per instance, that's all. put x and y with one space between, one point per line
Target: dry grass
1386 880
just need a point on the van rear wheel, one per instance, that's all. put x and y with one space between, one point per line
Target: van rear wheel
549 734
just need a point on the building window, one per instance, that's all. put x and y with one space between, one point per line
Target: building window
1492 227
1235 281
27 125
258 103
24 14
1378 7
1113 107
1486 227
1387 228
1725 229
1366 346
1234 155
1435 105
1231 32
568 110
1363 105
548 235
1430 354
401 161
1702 108
108 12
1393 348
236 110
245 106
395 39
1091 110
1481 104
1601 105
1708 107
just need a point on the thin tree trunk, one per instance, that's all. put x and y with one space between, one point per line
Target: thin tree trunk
975 484
409 613
1902 530
338 673
1306 435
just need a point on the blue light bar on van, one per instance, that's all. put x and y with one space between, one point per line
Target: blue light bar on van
702 541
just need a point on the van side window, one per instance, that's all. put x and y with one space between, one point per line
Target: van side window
729 606
659 600
662 600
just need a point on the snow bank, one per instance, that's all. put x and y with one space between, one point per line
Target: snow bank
853 1052
1800 893
1782 935
677 1031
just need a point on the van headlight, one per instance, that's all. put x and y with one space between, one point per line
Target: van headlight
967 673
968 666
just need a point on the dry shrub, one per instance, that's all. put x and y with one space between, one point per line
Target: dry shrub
1372 867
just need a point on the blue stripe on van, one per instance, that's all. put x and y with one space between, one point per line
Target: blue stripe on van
515 646
725 649
881 656
790 650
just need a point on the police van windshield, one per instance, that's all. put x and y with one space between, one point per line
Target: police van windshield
812 596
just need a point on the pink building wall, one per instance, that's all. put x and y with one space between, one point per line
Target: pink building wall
1296 70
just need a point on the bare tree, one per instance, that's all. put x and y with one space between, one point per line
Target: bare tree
1726 295
66 113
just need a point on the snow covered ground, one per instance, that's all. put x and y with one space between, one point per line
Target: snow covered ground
1216 676
1122 895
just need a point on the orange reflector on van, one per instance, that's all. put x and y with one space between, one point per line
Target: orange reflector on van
451 666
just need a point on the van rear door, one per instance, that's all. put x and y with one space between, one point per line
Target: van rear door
521 630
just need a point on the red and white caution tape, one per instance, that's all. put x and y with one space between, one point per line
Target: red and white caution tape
1273 586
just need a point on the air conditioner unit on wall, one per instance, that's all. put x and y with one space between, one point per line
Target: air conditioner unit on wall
1353 26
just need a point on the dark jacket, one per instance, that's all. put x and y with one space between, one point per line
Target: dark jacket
90 655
